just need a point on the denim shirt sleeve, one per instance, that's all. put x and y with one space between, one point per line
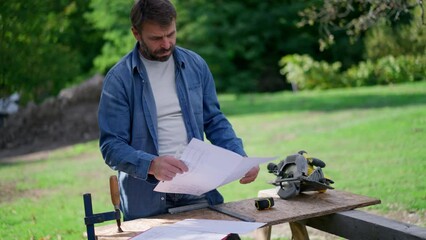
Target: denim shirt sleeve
218 129
114 119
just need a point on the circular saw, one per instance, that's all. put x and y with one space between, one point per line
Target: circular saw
299 173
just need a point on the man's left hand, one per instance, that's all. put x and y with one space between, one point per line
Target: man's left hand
250 175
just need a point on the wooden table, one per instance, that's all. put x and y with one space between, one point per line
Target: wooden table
302 207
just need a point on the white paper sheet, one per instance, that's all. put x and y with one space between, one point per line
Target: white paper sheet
194 229
209 167
167 233
218 226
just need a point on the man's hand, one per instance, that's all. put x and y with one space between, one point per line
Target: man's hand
165 168
250 175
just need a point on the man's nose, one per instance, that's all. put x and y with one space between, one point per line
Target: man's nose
165 43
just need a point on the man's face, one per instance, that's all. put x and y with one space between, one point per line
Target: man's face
156 42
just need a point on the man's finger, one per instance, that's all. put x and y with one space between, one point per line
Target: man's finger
246 180
183 166
166 175
175 167
250 176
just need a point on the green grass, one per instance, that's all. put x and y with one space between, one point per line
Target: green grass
46 194
372 140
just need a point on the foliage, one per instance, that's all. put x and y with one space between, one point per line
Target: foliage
44 46
306 73
243 40
356 16
112 18
48 45
395 53
387 70
386 39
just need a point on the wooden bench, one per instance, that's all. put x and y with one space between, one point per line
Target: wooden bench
325 211
351 224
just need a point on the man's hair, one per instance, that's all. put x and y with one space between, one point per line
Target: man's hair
161 12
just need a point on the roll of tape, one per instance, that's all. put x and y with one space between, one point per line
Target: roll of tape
264 203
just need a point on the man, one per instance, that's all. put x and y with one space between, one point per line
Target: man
154 101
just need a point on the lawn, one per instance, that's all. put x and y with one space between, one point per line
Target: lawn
372 140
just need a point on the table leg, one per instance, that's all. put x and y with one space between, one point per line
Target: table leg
263 233
299 231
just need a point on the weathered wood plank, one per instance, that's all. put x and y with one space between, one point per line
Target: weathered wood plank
308 205
298 230
263 233
361 225
303 206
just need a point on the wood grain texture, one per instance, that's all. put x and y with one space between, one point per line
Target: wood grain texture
356 224
301 207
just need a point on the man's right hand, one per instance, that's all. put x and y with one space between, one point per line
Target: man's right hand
165 168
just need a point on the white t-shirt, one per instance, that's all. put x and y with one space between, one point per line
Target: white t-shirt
171 128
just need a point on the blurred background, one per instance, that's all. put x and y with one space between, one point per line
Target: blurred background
343 78
47 46
250 46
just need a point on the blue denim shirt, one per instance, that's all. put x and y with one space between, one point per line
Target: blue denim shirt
128 125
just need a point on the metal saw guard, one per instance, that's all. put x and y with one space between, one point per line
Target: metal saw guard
294 176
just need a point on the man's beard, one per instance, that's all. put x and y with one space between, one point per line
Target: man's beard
155 55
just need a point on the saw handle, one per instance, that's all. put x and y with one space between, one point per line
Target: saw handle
317 162
115 194
115 199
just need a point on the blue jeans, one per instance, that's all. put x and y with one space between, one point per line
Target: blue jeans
178 200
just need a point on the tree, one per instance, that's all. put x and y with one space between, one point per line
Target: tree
386 39
45 45
111 17
243 40
356 16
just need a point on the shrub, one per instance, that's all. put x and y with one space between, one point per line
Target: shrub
303 71
359 75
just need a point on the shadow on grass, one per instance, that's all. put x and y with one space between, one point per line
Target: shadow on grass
20 162
264 103
38 152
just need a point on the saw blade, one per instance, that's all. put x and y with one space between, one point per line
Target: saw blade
288 190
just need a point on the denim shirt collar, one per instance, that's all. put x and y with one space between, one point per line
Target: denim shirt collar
139 69
136 63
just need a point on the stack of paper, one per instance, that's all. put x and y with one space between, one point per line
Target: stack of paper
194 229
209 166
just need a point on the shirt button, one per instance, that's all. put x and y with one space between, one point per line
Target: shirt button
162 198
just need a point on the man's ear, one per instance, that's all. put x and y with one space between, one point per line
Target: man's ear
136 34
